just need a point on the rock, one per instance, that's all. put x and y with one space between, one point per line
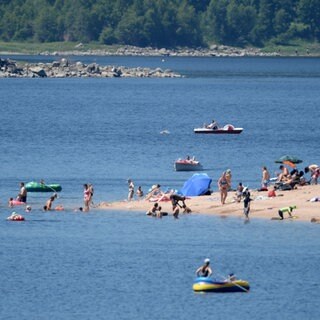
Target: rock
39 71
55 64
93 68
315 220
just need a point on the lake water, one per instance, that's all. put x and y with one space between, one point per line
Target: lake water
111 265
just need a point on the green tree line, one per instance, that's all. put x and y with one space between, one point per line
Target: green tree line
161 23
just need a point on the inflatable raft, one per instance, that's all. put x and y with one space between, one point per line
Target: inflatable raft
41 187
15 217
203 284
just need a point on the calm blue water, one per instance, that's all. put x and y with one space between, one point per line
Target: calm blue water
110 265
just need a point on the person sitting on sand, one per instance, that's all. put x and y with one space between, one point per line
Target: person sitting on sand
272 193
139 192
153 211
204 270
239 192
284 175
314 173
154 192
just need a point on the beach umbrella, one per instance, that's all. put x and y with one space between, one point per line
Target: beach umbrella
288 159
197 185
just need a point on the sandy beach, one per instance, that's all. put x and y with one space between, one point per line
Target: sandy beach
261 205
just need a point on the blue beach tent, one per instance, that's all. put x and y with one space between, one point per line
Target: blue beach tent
197 185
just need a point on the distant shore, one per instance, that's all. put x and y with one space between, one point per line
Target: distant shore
81 49
261 207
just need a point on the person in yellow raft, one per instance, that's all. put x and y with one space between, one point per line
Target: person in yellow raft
204 270
286 209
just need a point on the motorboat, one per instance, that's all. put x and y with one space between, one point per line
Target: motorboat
227 129
187 165
206 284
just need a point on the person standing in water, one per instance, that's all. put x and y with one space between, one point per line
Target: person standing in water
22 196
86 197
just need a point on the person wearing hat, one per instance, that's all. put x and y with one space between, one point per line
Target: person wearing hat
204 270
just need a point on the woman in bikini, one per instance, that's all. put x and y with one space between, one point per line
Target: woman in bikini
223 186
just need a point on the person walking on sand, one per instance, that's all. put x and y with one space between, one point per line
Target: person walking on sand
246 201
265 178
223 186
22 196
131 189
204 270
86 197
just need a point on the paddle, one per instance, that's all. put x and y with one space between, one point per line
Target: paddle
238 285
55 192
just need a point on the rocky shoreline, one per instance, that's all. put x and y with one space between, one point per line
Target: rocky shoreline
213 51
64 69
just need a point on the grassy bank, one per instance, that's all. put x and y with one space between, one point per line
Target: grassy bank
294 48
36 48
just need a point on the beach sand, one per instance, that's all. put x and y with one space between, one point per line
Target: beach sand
261 205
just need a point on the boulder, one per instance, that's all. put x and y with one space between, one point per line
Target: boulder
93 68
39 71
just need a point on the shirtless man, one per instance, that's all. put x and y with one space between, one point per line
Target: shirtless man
265 177
284 175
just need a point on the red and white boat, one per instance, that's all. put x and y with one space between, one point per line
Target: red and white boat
187 165
227 129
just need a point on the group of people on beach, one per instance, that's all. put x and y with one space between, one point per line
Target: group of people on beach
177 202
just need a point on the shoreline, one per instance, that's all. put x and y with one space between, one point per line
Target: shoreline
261 205
81 49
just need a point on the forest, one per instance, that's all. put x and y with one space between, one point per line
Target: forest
161 23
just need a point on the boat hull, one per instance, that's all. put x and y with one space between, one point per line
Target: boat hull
39 187
218 131
209 285
183 166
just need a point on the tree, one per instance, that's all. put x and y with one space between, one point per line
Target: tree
309 12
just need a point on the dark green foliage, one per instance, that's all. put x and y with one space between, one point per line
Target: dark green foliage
160 23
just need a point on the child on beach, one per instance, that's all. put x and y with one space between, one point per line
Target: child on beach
239 192
286 209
